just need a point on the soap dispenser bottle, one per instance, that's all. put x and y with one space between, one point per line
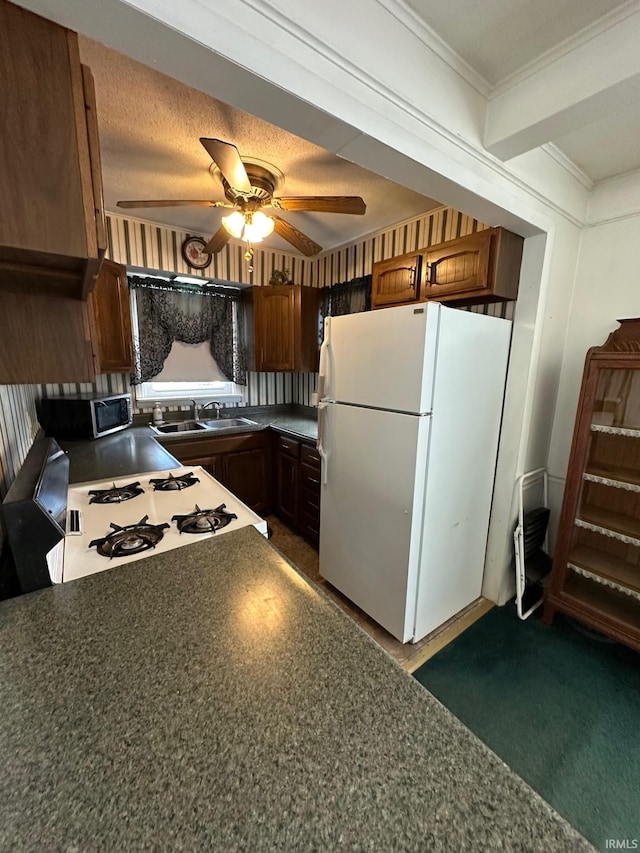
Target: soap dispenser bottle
157 414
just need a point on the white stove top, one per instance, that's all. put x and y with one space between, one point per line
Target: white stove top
159 506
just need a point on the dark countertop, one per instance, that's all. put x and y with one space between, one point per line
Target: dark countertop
221 702
130 451
138 449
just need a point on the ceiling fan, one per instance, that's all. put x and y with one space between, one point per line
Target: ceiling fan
249 186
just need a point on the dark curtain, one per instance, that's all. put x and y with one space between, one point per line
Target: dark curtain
348 297
167 313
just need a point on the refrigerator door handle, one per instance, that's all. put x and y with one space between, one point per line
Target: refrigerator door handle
325 358
320 443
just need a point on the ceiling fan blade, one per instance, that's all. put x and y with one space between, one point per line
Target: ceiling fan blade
218 241
168 203
227 159
305 244
323 204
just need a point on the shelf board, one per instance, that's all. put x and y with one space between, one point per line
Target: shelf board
607 567
606 606
615 476
614 524
629 432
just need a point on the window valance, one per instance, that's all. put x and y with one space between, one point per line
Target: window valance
168 312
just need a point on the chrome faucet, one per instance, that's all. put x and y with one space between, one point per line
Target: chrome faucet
197 412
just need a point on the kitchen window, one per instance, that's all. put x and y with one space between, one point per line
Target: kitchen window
187 342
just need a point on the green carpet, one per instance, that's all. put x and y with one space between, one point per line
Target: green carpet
561 708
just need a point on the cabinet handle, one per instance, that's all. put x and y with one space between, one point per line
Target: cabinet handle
412 281
428 273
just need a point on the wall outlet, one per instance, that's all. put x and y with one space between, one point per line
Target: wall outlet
314 398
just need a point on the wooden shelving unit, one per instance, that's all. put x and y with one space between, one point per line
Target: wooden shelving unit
596 567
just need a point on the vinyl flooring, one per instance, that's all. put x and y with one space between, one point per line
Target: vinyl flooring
409 655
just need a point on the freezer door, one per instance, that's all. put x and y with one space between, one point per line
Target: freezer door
371 510
383 359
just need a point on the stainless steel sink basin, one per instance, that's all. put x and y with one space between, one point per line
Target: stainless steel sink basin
228 423
180 426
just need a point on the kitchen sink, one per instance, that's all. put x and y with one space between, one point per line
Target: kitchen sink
228 423
180 426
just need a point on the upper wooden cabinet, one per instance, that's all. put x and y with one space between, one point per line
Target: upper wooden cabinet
53 237
281 328
396 281
482 267
49 338
111 319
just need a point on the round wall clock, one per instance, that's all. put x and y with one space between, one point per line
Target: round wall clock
193 251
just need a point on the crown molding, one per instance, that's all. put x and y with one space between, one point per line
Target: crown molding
615 199
404 14
561 158
584 36
380 89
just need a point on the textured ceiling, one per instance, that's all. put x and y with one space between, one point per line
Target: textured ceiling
150 127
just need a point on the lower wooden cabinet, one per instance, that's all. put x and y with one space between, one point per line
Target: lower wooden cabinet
245 473
309 496
239 462
296 499
268 470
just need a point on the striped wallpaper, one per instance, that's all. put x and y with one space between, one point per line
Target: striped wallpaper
144 244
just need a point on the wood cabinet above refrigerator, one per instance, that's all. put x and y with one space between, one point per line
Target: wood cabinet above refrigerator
479 268
281 328
52 233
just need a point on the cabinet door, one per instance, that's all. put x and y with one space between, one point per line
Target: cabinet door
396 281
275 311
459 266
50 242
245 474
112 320
287 488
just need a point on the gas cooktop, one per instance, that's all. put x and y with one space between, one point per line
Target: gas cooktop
114 522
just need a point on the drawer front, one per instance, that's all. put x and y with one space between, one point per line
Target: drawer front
310 456
310 527
309 503
290 446
310 479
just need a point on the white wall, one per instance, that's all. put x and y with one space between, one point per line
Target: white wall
607 287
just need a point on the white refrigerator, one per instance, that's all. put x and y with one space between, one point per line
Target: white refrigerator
408 426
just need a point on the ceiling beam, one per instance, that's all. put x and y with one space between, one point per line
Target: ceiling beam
595 75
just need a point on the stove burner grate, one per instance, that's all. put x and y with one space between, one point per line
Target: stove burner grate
172 483
131 539
116 494
204 520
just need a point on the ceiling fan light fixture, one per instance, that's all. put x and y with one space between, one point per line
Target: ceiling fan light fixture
258 226
252 227
234 223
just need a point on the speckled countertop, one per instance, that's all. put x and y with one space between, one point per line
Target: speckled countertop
138 449
220 702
